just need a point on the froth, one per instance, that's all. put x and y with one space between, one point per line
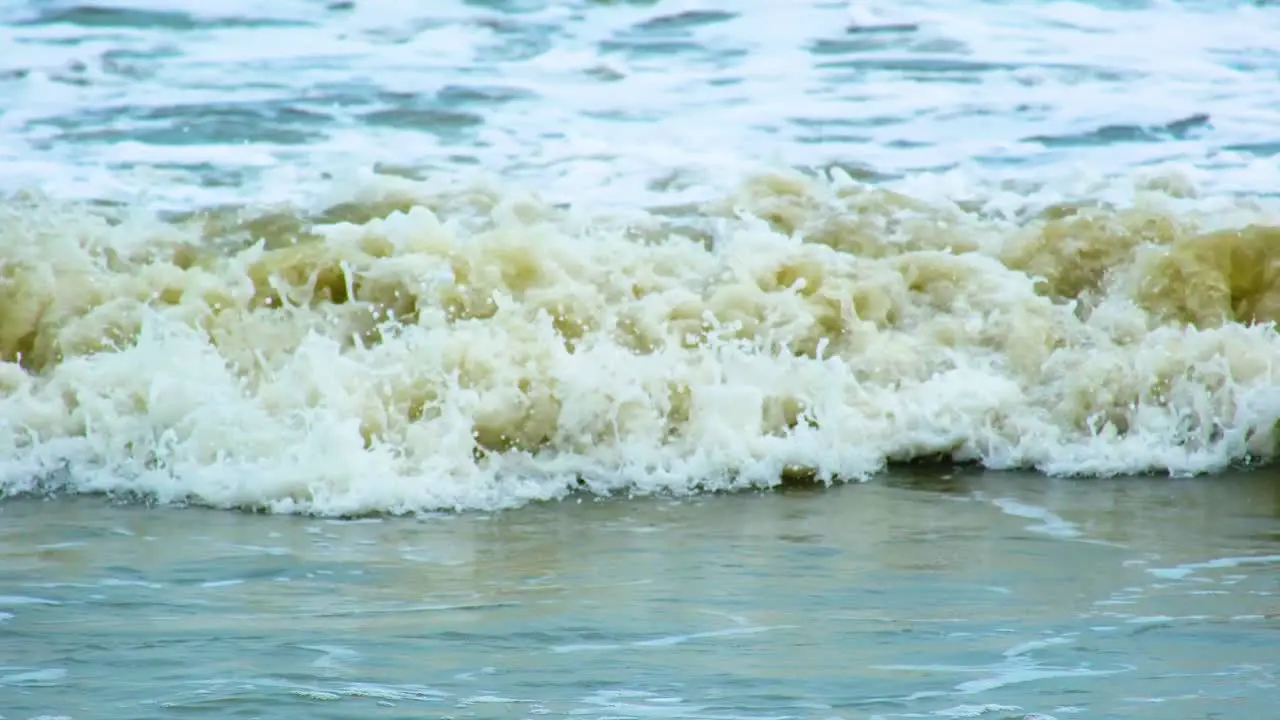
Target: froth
418 348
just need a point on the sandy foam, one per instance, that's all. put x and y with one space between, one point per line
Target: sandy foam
468 347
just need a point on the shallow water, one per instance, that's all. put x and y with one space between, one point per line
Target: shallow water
920 595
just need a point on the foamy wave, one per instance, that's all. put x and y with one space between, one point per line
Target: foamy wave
417 348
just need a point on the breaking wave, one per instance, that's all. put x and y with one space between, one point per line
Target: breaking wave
421 347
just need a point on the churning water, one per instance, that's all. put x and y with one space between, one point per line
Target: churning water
376 259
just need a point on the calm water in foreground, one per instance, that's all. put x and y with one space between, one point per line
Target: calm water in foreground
1002 596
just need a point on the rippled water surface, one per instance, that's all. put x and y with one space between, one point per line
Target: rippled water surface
615 359
923 596
586 97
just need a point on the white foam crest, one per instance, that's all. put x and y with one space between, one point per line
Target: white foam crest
43 676
1185 570
1013 672
542 351
973 711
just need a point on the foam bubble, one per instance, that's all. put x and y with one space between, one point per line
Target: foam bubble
423 347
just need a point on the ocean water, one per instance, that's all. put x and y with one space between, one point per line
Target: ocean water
646 358
927 595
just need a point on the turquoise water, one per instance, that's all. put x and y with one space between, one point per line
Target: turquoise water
662 359
1003 596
